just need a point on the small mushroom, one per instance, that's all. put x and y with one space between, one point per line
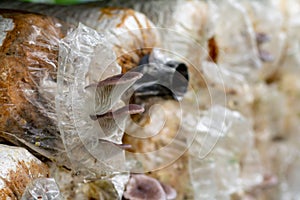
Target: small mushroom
141 187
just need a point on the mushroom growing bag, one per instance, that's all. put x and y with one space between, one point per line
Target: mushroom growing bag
29 54
45 111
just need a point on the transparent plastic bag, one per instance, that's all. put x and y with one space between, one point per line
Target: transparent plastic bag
79 67
236 38
29 53
230 162
181 31
34 95
42 188
131 32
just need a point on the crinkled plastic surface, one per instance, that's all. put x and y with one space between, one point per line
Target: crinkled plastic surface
75 60
185 26
228 88
290 11
237 45
80 66
257 47
131 33
30 83
42 188
183 32
197 22
109 188
267 21
190 25
270 122
222 166
29 51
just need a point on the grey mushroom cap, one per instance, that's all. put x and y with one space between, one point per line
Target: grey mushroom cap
141 187
118 79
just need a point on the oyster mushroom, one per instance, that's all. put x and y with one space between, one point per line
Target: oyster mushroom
113 87
143 187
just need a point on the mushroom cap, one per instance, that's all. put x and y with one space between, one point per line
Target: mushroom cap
141 187
118 79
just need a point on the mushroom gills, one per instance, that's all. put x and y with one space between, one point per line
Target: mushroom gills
113 87
111 122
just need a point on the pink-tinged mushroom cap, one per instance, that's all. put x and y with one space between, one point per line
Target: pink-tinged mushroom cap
142 187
